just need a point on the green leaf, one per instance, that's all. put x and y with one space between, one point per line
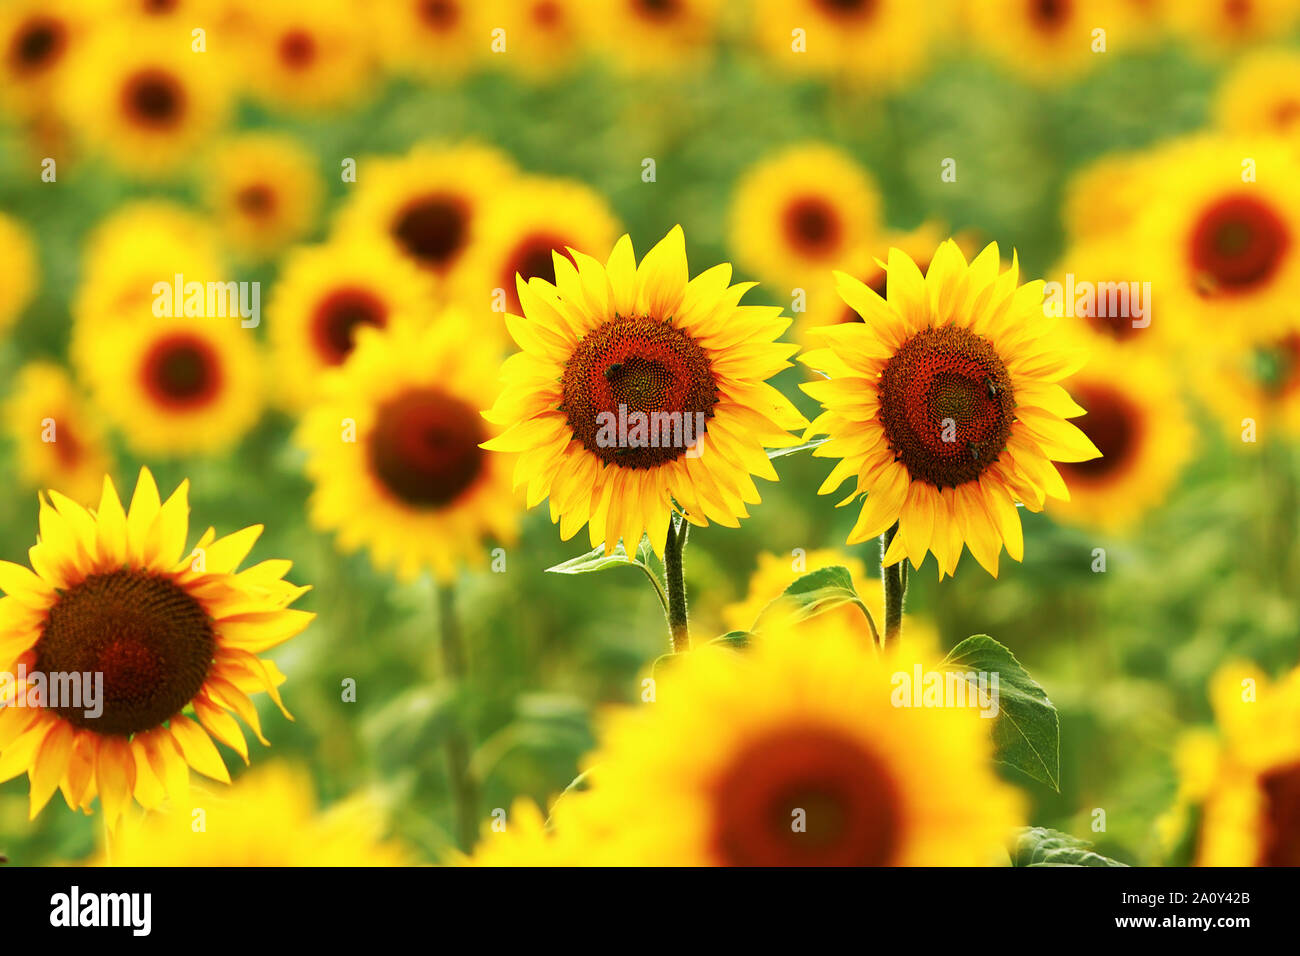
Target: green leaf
806 446
1026 731
1039 846
597 560
738 640
814 593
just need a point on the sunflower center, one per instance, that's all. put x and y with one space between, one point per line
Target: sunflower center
37 44
805 797
1113 424
547 13
439 14
946 405
297 49
433 229
1237 244
181 372
150 639
1113 315
154 99
812 226
66 447
159 6
657 9
339 315
635 369
848 9
256 199
424 447
531 259
1281 789
1286 113
1050 15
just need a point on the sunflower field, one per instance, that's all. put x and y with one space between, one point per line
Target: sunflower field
649 432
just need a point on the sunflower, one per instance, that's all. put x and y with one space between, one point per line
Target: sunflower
58 439
798 756
428 204
1224 26
37 38
116 593
433 38
264 189
1107 281
1104 197
176 386
943 404
801 212
1138 421
674 364
268 817
1261 96
305 54
654 36
19 274
393 450
1245 780
544 37
518 234
1254 382
145 100
1224 252
882 42
324 296
1045 41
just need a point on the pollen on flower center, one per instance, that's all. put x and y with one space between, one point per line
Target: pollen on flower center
1237 244
946 405
424 447
152 642
644 366
805 797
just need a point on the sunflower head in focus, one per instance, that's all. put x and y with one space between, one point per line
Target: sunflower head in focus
264 191
1139 423
799 214
654 36
174 633
427 205
19 272
267 817
678 361
325 295
944 405
145 100
393 446
797 729
59 441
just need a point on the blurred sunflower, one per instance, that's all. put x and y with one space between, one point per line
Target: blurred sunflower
796 730
59 442
1261 95
605 341
943 405
545 37
186 13
428 204
882 42
264 191
533 218
1109 283
654 36
801 212
1103 198
1045 41
1254 383
325 294
176 386
144 99
37 38
1246 779
524 840
432 38
115 593
393 451
1139 423
19 274
268 817
306 54
1226 252
1225 26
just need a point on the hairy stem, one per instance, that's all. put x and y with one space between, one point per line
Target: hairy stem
894 579
678 628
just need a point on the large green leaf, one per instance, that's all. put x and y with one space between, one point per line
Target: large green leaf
597 560
1039 846
814 593
1026 731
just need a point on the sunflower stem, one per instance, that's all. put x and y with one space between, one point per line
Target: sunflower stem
464 790
894 579
678 628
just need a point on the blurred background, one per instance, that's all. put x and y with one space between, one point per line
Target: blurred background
1201 571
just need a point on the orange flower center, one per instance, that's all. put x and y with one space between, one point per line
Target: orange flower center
812 226
37 44
337 318
1237 245
1113 424
848 9
154 99
424 447
433 229
946 405
181 372
805 797
152 642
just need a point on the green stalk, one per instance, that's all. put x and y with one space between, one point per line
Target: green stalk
678 627
464 789
894 580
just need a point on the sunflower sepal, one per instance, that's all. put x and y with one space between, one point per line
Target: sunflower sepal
1026 728
1042 846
